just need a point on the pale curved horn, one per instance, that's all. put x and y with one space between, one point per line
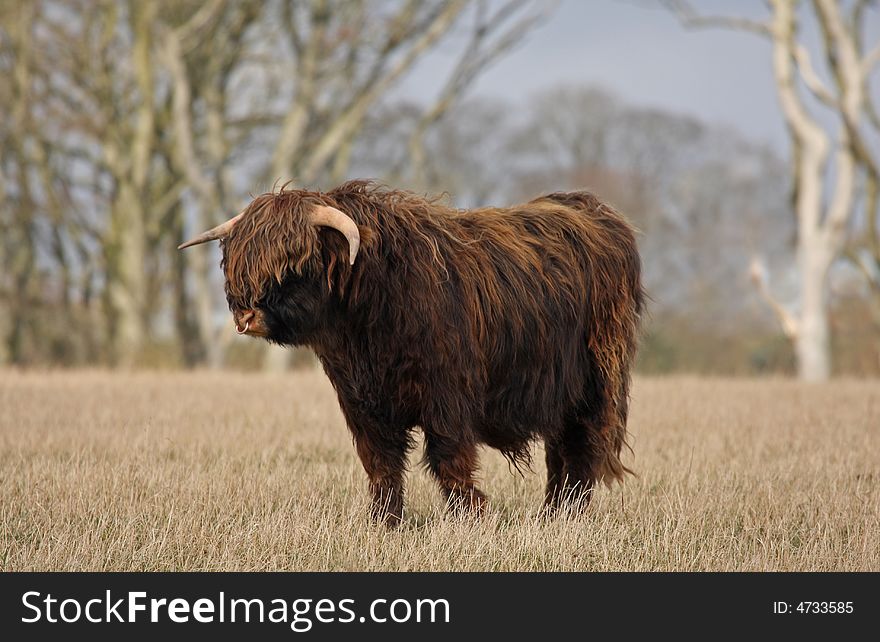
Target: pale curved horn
326 216
213 234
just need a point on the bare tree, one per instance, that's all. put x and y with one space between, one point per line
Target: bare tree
96 116
346 55
825 177
18 245
494 33
127 124
201 51
41 244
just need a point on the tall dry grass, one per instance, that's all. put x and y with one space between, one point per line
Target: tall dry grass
107 471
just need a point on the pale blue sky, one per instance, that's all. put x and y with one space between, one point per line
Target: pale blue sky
639 51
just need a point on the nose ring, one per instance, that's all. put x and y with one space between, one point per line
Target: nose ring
247 326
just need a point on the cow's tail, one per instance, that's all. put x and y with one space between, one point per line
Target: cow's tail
617 301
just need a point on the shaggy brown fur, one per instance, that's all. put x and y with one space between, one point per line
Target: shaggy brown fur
493 326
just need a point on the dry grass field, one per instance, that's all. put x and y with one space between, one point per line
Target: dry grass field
218 471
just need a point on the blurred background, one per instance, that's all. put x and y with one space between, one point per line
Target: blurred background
742 138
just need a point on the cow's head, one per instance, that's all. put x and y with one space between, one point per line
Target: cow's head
279 258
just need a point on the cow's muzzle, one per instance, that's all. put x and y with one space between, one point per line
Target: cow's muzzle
243 323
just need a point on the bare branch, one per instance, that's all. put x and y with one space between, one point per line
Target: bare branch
869 269
811 79
295 121
758 275
475 59
810 136
193 29
870 60
844 61
871 110
690 18
185 154
353 116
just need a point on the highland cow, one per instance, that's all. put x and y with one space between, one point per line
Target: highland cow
494 326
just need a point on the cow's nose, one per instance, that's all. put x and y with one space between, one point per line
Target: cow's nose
244 320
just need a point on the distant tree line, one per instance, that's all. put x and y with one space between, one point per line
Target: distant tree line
126 126
128 123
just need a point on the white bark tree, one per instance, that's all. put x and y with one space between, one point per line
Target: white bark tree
825 165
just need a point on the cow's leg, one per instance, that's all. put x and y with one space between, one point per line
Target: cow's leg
579 464
454 464
384 458
555 473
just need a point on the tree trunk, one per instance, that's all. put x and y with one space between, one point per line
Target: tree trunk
22 226
192 351
213 349
4 348
126 280
812 340
129 163
815 242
